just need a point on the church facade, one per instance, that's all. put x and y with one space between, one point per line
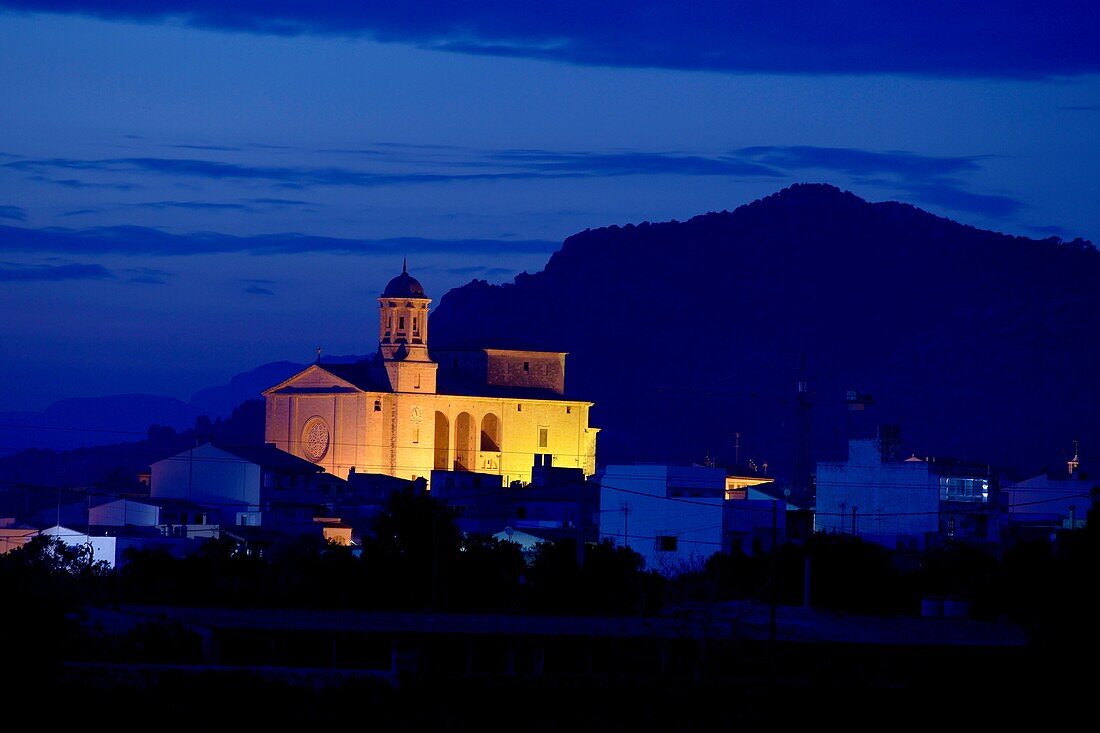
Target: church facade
406 412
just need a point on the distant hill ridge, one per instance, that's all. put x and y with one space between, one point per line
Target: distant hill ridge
980 344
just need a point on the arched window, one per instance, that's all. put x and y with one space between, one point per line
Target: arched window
490 433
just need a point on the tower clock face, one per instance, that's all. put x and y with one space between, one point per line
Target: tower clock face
417 413
315 439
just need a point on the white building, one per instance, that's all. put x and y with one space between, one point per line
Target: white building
238 485
671 515
123 512
104 548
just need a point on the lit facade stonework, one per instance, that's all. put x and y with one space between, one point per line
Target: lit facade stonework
406 414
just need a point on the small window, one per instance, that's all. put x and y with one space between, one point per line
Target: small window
401 323
416 435
519 408
666 543
416 384
414 325
378 405
526 366
568 410
389 322
544 437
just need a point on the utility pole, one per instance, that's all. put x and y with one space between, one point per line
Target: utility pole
435 555
774 583
582 521
854 508
626 523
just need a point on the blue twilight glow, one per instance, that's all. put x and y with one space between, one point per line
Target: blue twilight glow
154 156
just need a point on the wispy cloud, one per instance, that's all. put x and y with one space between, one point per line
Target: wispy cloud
290 177
631 163
268 201
13 272
258 290
955 197
146 275
855 161
478 270
76 183
987 38
193 205
133 240
13 213
929 179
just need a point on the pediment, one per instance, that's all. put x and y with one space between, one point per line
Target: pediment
313 379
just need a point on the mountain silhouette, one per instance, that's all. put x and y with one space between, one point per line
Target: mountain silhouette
980 345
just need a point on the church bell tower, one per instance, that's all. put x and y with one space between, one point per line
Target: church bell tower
403 335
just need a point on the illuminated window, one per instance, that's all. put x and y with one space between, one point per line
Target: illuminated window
378 405
544 437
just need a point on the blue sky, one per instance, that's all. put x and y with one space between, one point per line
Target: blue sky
188 190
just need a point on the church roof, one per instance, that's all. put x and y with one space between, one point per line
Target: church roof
457 383
271 458
361 374
404 286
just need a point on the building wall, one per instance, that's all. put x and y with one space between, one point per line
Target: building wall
206 474
400 437
12 538
104 549
122 512
1063 497
748 524
636 510
905 491
541 369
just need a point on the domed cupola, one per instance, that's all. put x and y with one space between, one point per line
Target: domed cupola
404 285
403 319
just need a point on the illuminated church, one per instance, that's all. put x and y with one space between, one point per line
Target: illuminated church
406 412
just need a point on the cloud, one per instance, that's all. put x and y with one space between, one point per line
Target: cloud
13 212
12 272
631 163
953 197
988 38
506 165
193 205
134 240
479 270
80 212
291 177
75 183
854 161
258 290
927 179
146 275
269 201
